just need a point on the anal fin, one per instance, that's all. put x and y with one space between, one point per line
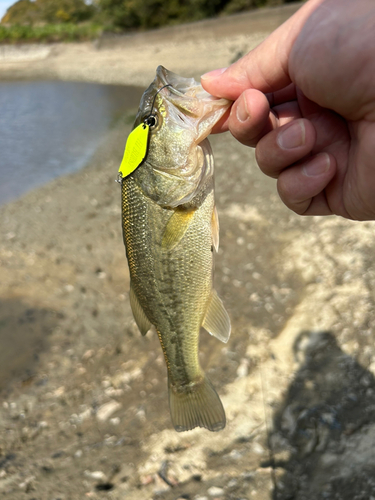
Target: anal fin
196 405
217 321
140 318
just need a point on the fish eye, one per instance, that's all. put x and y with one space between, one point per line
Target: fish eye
152 121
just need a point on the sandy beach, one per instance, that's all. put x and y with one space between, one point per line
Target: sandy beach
84 407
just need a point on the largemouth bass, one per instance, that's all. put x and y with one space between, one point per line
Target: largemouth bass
170 230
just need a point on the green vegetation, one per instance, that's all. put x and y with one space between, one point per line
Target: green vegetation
48 11
49 21
146 14
66 32
143 14
69 20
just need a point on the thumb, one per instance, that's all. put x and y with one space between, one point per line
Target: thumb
266 67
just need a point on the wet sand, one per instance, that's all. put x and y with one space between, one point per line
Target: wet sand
84 411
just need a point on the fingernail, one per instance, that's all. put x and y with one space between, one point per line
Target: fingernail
293 136
213 74
242 112
317 165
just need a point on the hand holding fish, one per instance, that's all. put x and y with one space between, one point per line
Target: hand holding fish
305 98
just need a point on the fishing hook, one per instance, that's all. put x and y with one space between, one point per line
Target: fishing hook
146 121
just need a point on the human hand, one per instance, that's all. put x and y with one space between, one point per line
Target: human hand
305 98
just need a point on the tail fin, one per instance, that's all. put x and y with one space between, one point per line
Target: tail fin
196 406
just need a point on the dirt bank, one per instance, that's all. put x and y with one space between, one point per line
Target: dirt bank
84 410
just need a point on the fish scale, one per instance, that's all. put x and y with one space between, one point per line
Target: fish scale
167 282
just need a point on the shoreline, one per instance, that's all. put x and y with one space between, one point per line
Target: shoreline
131 59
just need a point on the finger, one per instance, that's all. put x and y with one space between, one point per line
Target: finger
288 93
284 146
301 187
266 67
250 117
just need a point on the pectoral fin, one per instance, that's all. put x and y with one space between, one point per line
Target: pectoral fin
140 318
215 229
217 321
176 228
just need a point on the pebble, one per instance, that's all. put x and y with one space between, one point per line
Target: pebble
160 486
214 491
146 480
243 368
141 415
106 410
232 483
59 392
258 448
329 459
98 475
235 455
114 393
88 354
25 484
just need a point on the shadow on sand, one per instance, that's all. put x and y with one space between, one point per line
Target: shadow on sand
23 336
327 422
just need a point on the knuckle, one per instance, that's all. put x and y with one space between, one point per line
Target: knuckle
259 159
242 134
265 163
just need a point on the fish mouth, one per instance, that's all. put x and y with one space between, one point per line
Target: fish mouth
177 84
190 101
180 86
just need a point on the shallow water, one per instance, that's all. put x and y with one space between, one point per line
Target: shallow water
51 128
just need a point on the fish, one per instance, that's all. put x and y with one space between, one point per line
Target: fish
170 231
